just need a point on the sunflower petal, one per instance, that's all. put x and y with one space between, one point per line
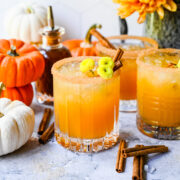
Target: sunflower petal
160 12
128 7
142 17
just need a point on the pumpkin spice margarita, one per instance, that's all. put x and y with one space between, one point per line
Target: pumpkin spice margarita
132 46
158 87
86 105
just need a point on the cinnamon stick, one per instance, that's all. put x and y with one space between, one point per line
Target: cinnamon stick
117 59
117 66
138 148
138 167
120 163
45 120
146 151
47 134
172 65
141 169
118 55
103 41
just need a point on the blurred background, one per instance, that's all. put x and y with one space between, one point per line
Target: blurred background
78 15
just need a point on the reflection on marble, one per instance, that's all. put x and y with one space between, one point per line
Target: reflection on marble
52 162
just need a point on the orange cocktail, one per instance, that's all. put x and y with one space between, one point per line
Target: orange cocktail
132 46
159 93
86 108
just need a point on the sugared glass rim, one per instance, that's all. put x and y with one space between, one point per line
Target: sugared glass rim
79 80
130 54
154 67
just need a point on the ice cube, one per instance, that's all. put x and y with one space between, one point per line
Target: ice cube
149 169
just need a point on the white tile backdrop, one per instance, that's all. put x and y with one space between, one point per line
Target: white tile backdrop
77 15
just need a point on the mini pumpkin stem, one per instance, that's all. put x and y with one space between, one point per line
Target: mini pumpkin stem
13 52
29 10
2 87
88 35
1 115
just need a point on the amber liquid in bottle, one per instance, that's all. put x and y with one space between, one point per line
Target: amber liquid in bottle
53 51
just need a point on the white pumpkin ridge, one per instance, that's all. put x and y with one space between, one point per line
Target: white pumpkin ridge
16 126
24 21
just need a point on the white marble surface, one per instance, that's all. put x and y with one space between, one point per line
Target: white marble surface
52 162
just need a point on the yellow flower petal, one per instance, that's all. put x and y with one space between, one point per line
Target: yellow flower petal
167 6
144 1
173 5
160 12
142 18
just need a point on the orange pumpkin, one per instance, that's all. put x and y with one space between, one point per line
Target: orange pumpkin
24 94
20 63
83 47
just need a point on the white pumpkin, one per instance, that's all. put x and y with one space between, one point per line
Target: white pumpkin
24 22
16 125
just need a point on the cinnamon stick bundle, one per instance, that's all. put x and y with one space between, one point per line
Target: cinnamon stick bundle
120 163
47 134
103 41
160 149
45 120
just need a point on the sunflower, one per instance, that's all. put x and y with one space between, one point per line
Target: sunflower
128 7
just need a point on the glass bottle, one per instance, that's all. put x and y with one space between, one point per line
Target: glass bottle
53 51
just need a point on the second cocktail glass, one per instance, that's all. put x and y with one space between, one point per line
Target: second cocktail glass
159 93
132 47
86 108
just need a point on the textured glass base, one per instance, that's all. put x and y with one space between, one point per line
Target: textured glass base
44 99
168 133
87 145
128 105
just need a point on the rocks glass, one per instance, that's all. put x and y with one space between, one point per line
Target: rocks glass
158 94
132 46
86 108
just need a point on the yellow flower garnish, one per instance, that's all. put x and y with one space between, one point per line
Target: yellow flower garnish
87 65
105 72
106 62
105 67
178 64
143 7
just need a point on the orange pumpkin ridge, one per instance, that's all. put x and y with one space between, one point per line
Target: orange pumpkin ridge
24 94
20 66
